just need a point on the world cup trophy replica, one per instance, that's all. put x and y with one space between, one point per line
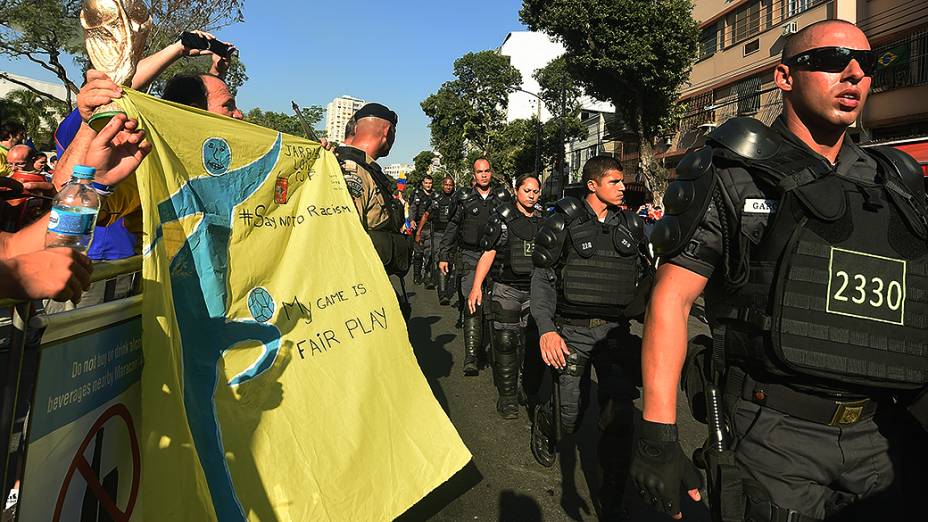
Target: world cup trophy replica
115 32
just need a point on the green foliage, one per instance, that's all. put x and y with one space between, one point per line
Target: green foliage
422 161
466 112
286 123
38 114
560 91
635 53
46 32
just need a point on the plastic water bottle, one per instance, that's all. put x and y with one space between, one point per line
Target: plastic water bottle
74 212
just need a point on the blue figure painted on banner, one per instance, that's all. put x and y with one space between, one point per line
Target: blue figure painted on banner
199 286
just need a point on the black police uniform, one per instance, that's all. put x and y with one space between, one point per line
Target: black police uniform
590 277
439 209
470 213
511 234
818 303
422 253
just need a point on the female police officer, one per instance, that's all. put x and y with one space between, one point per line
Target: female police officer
508 245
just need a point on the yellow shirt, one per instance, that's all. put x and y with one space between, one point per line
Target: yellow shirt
4 171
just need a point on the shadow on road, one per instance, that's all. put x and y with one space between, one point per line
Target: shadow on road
434 360
462 481
516 506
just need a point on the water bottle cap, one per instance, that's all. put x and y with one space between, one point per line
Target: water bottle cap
83 172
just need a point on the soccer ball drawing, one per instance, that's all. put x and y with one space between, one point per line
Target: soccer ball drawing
261 305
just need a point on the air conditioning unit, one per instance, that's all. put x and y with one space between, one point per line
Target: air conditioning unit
790 28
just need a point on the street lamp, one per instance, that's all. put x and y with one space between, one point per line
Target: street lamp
537 130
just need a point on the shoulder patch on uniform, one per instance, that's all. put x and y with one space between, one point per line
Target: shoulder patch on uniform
354 183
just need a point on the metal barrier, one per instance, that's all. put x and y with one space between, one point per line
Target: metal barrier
54 328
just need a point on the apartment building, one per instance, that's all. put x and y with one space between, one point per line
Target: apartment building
740 45
337 114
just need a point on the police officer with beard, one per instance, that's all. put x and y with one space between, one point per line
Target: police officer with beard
591 275
470 213
436 216
369 136
508 245
422 254
813 256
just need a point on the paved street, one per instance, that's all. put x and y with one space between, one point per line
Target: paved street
504 482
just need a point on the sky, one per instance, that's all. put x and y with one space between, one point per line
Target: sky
395 52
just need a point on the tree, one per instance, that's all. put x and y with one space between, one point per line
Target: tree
46 32
286 123
560 91
635 53
466 112
422 161
38 114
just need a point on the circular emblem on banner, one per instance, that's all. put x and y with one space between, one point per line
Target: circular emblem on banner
217 156
261 305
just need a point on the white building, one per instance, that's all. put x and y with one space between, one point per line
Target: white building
529 51
55 89
398 170
337 114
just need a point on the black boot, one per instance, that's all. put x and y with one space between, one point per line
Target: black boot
417 268
429 269
506 365
472 331
543 443
444 294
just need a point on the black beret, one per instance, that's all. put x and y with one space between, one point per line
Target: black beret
377 110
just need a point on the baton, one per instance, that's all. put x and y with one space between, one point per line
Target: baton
714 418
310 133
556 390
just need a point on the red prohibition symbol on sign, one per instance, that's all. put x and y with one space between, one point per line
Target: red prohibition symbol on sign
93 481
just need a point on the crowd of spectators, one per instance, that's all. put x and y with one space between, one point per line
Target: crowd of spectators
30 178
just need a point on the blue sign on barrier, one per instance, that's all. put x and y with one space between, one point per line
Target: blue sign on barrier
79 452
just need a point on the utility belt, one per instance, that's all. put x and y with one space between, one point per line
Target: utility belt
807 406
586 322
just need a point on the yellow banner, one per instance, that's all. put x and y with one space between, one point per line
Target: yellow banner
279 382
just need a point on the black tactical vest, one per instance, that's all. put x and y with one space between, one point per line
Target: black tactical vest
440 211
513 263
417 204
837 284
476 215
599 273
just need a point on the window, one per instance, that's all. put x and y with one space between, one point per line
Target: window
794 7
748 92
746 22
697 113
752 47
708 41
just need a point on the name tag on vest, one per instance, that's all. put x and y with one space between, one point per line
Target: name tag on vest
760 206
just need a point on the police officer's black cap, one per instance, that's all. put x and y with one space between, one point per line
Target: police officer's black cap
377 110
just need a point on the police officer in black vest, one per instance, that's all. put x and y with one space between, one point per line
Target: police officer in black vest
590 276
421 257
436 215
369 136
813 256
508 245
469 216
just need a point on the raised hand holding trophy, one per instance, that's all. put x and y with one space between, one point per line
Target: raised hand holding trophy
115 32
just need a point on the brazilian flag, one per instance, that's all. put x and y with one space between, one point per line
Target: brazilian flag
893 57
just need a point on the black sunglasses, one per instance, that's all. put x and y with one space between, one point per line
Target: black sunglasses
833 59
